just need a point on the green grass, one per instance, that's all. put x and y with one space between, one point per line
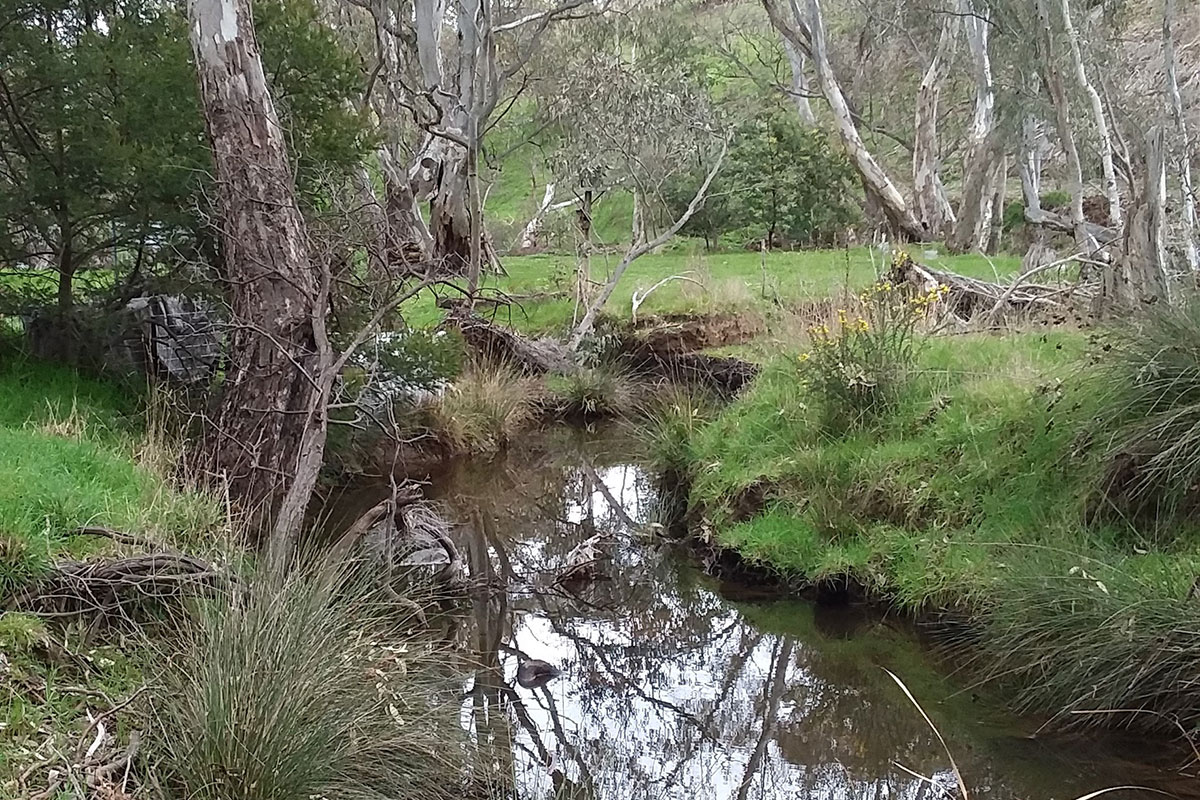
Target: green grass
730 281
970 495
72 454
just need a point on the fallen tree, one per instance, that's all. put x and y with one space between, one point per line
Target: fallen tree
645 357
968 299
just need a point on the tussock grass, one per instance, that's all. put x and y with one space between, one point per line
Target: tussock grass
1100 643
604 390
484 410
667 421
287 690
1149 415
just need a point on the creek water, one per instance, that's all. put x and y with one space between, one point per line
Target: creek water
677 685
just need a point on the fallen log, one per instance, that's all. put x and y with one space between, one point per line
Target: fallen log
969 298
645 357
498 343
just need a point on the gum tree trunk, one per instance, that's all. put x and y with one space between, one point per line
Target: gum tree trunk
1098 116
1184 167
808 35
932 207
268 416
979 166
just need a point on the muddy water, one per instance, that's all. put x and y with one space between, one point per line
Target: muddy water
676 686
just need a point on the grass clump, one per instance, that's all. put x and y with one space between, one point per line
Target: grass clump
283 692
667 422
483 411
603 390
1149 416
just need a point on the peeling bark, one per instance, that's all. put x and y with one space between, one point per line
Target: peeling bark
1084 240
268 415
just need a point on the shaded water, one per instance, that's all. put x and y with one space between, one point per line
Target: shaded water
676 686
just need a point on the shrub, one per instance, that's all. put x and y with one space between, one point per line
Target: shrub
1149 414
858 368
282 692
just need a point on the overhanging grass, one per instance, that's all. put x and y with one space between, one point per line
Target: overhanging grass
732 281
971 495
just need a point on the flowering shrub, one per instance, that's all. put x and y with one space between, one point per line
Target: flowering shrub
857 368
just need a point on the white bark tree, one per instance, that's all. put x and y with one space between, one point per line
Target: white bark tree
800 90
933 207
636 251
807 33
1183 165
1052 78
1099 118
973 226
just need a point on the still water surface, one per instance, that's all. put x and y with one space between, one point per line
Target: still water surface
674 685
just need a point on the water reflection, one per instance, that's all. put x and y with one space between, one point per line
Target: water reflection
668 690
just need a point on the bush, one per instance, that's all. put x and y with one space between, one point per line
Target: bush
1149 414
781 183
858 369
282 693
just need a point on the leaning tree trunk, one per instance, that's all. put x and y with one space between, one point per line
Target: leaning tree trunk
266 417
899 215
809 37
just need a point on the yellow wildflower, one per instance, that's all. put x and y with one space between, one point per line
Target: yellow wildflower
804 356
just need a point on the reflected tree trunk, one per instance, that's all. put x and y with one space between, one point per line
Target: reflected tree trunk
772 695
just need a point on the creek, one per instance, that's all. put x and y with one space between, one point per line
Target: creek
675 684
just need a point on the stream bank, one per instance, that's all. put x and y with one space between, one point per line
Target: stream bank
677 684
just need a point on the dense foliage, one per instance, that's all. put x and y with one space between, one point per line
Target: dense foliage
783 184
104 160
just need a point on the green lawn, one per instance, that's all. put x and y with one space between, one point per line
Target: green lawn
727 281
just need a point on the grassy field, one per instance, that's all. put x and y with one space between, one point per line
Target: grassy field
720 282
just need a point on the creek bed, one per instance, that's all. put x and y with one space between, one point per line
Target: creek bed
676 685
